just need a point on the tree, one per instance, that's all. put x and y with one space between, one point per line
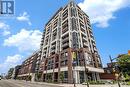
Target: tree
124 65
62 76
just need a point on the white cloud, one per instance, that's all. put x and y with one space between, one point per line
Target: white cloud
24 18
11 61
25 40
101 11
5 33
5 28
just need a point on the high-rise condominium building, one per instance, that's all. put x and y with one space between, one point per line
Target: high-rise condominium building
68 47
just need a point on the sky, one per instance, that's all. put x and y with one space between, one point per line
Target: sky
20 35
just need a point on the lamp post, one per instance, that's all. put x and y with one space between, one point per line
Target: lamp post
114 67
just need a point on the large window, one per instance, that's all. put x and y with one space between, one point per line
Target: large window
73 23
73 12
75 40
65 14
65 27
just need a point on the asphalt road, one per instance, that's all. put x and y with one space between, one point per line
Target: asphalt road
12 83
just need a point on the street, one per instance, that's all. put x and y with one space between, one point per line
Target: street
13 83
19 83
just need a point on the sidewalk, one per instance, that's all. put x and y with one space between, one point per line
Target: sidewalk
79 85
71 85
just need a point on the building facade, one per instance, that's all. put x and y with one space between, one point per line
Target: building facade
16 71
109 72
28 68
68 47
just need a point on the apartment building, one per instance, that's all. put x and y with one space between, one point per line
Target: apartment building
28 68
16 71
69 49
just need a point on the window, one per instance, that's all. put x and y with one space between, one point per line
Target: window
66 54
75 40
73 22
65 74
65 14
73 12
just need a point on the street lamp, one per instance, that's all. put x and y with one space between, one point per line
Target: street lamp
114 67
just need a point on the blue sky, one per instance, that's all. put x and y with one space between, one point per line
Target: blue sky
110 22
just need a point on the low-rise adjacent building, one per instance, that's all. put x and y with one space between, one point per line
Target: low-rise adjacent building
28 67
109 72
112 70
16 71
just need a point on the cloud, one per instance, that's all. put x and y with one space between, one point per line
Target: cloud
5 28
102 11
25 40
11 61
24 18
5 33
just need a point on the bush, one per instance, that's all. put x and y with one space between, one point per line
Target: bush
128 83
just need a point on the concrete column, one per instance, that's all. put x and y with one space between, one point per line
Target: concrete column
93 76
70 67
33 77
97 75
76 76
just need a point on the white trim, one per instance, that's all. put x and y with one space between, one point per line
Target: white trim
50 71
25 74
55 70
91 69
64 69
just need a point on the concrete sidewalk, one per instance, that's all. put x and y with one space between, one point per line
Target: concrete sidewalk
80 85
71 85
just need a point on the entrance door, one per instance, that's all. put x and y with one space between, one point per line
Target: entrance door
56 77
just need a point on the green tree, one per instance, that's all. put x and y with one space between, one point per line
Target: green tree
62 76
124 65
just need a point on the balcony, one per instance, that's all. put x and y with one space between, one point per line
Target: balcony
65 46
64 30
52 50
83 30
95 49
85 45
84 39
65 40
53 46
